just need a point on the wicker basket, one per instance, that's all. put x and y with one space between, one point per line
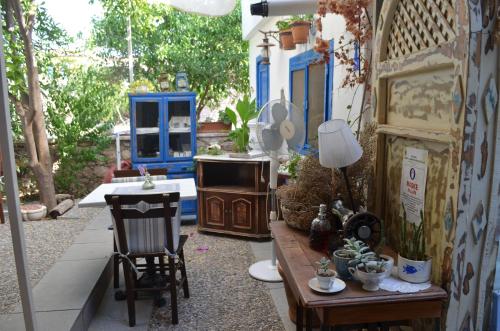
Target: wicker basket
297 215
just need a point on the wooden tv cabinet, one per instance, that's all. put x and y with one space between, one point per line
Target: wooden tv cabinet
232 198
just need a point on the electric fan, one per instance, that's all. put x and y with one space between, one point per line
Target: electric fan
279 129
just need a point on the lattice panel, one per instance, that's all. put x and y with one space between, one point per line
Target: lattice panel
420 24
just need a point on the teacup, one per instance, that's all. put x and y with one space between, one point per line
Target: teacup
325 282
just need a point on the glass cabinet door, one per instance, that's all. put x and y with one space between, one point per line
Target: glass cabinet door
147 126
179 129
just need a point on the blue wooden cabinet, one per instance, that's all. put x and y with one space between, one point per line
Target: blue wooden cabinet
163 135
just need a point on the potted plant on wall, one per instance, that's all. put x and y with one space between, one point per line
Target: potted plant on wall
300 28
240 135
285 33
413 264
223 124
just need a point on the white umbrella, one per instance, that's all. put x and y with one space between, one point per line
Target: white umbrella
201 7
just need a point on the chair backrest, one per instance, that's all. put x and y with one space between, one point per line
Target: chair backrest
146 223
136 173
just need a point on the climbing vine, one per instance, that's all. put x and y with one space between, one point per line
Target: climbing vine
359 26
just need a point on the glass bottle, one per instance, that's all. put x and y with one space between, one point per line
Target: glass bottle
320 230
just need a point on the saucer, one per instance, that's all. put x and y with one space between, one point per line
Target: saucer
337 286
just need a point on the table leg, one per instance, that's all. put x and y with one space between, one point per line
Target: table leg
309 312
299 318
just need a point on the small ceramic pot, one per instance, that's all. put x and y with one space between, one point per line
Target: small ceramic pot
341 265
326 281
300 31
34 214
414 271
370 280
389 263
286 40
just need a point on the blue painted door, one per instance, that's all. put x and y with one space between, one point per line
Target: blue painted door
262 83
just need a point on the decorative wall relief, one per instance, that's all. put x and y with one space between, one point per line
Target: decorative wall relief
484 156
458 97
478 223
469 274
490 99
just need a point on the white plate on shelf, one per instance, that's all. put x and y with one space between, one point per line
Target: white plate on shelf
337 286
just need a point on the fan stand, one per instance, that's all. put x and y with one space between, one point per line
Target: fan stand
267 270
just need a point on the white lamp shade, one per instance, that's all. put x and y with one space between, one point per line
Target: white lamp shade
338 147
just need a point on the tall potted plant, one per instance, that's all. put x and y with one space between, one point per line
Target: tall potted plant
413 264
286 39
240 135
300 28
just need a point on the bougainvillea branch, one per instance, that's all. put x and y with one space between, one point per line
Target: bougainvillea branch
358 25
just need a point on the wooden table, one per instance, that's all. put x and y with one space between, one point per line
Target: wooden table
353 305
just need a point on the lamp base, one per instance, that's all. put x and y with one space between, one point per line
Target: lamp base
265 271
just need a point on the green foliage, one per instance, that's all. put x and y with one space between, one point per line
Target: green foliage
224 117
283 25
412 241
209 49
324 267
246 111
372 266
81 110
48 37
141 82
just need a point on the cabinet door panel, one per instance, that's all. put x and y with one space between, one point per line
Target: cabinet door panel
242 214
214 211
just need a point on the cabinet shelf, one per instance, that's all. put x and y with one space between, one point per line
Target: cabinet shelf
147 130
179 130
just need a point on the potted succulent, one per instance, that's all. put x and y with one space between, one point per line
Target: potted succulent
300 28
223 124
414 265
285 33
324 274
354 252
141 86
370 272
240 135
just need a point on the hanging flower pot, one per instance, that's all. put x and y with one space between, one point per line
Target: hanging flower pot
286 40
300 31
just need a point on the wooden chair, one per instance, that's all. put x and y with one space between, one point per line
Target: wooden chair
130 175
133 215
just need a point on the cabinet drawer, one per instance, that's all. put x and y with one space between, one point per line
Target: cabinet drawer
180 167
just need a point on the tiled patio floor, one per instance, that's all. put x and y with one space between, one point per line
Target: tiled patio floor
112 315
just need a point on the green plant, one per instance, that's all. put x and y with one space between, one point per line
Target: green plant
372 266
283 25
412 242
356 251
223 117
141 82
324 267
305 17
246 111
213 149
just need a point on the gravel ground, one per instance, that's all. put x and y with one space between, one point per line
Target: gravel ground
223 295
45 241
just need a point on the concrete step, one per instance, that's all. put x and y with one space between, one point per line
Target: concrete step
68 296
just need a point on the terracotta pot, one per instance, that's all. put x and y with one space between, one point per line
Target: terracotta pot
300 31
214 127
286 40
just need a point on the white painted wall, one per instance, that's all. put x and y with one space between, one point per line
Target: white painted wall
333 28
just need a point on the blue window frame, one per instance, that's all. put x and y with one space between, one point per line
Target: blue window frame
306 73
262 76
